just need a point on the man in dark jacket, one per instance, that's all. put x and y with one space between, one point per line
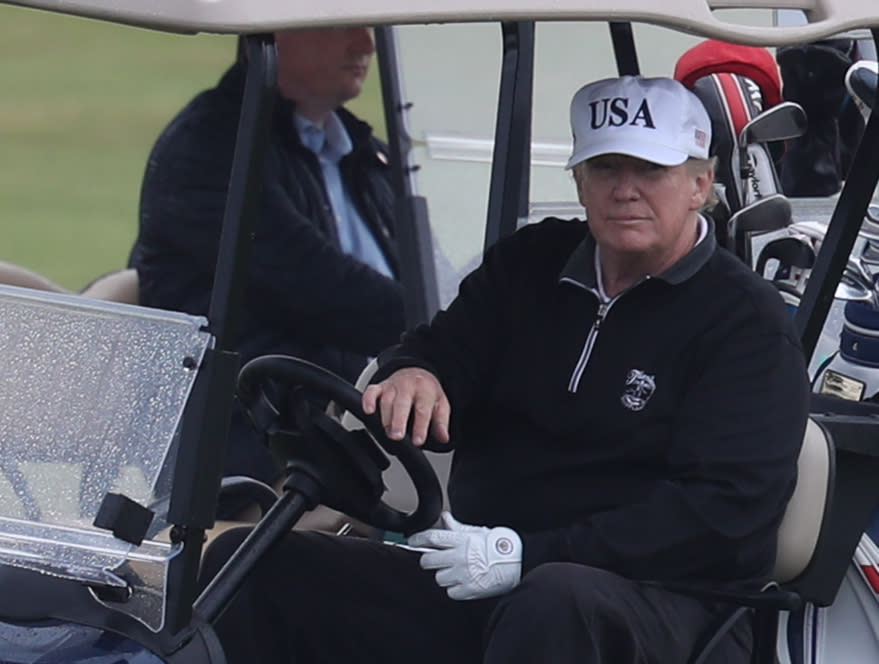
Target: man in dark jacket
322 280
626 402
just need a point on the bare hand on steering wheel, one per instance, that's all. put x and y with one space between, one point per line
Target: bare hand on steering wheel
410 393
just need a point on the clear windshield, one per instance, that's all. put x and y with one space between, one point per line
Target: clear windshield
92 395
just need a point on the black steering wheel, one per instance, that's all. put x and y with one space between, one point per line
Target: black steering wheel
348 463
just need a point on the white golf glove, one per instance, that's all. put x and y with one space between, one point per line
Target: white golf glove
472 562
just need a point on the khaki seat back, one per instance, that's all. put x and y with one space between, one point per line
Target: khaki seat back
801 564
118 286
803 519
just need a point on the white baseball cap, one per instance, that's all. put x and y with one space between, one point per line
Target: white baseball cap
654 119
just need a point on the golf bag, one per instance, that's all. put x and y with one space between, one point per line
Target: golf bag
852 372
847 631
736 84
813 75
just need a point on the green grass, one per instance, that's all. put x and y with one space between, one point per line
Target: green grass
81 102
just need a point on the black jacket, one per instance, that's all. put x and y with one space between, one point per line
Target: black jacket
304 296
662 446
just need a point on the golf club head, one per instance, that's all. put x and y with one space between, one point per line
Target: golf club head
756 169
856 272
766 214
814 230
779 123
857 282
861 81
851 290
870 255
870 226
790 252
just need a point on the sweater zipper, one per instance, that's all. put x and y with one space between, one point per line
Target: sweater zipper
574 383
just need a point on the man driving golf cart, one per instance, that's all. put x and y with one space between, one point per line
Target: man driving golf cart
626 402
131 597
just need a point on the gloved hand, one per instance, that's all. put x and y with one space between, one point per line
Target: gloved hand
472 562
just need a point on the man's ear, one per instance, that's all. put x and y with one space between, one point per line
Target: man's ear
579 181
702 181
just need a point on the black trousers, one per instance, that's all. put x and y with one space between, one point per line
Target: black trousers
318 598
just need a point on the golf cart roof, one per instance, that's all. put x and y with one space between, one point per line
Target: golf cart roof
823 17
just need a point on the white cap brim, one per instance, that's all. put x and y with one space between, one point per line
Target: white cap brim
652 152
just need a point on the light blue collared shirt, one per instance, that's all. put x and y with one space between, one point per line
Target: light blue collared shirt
330 144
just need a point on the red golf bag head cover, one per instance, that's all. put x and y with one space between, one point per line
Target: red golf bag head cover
735 83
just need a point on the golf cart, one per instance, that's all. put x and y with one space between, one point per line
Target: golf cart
127 403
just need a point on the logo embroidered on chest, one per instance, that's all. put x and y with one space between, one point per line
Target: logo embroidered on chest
639 388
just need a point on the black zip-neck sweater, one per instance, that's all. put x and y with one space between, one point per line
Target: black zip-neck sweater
655 435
